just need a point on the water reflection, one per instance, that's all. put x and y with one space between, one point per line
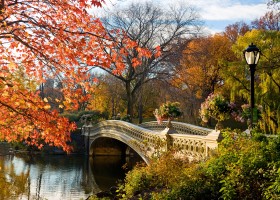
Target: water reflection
57 177
106 170
12 184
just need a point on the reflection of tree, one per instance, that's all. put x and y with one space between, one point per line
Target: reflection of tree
12 184
59 173
43 176
88 182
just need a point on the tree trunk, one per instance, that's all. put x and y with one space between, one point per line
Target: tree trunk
113 108
140 112
129 100
140 108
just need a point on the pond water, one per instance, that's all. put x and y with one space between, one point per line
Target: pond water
55 177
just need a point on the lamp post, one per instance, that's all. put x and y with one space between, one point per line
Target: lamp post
252 55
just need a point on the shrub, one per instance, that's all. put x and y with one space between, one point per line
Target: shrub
161 174
242 165
95 116
217 107
168 110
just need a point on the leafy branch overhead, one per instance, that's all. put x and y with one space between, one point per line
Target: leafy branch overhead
41 40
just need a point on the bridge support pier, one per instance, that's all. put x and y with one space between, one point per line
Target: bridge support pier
86 133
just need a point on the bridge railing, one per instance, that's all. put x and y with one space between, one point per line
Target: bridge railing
196 147
133 131
181 128
193 141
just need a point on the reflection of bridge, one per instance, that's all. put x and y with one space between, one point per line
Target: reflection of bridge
193 141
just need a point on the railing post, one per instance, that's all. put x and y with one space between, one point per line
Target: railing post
167 131
212 140
86 132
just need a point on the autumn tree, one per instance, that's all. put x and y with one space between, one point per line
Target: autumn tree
51 92
203 59
200 71
41 40
152 28
232 31
275 4
108 96
270 21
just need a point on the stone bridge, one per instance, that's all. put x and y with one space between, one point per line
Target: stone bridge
149 139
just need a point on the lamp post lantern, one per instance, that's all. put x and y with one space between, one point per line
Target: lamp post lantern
252 55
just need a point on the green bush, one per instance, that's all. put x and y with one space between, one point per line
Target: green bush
159 175
136 181
245 175
72 117
76 116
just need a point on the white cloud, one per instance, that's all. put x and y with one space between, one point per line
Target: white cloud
237 11
212 9
220 11
211 31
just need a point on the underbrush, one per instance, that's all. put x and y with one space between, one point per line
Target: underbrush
242 167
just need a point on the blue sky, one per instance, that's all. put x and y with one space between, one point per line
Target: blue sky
217 14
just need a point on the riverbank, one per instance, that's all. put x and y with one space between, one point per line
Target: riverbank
18 147
5 149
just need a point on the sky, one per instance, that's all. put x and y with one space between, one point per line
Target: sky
216 14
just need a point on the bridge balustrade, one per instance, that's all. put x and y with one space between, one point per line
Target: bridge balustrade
181 128
193 141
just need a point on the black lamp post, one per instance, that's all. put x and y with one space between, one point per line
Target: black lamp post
252 55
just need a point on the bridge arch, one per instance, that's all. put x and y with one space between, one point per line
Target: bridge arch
107 146
122 139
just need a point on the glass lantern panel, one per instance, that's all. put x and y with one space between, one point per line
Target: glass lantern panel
250 57
257 57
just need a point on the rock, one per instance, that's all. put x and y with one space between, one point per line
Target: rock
104 194
113 190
